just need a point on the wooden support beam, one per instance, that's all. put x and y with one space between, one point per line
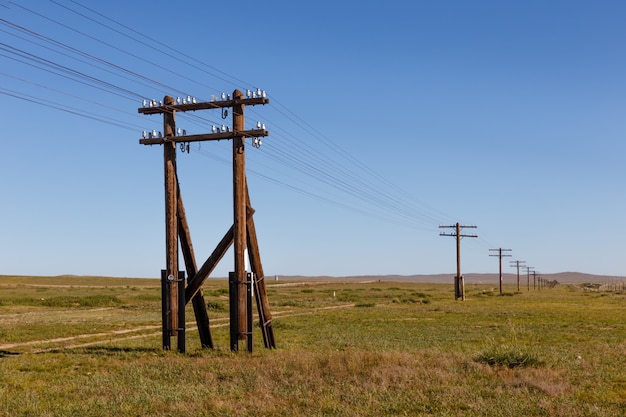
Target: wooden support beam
260 293
181 330
196 282
199 305
205 270
255 133
205 105
165 310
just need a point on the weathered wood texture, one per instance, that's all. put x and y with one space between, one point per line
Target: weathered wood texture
195 284
260 293
199 305
253 133
171 232
242 234
239 215
205 105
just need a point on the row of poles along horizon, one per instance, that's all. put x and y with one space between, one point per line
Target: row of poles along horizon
459 283
243 284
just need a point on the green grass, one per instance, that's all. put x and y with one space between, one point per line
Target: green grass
344 349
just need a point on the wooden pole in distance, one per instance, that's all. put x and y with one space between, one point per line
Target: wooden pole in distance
459 285
528 269
500 255
460 292
517 264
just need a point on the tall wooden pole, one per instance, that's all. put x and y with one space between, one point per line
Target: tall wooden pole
239 221
171 224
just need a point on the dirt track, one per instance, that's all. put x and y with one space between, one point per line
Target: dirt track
63 343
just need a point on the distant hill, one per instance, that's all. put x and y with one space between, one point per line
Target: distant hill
472 278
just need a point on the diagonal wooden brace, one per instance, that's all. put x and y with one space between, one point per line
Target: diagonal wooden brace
203 273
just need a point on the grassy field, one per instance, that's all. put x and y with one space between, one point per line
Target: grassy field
83 346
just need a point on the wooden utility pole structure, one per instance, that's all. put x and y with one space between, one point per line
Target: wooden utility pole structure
517 264
242 235
528 269
459 285
500 255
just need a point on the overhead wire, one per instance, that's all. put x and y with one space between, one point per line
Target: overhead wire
347 179
317 196
318 165
363 167
225 76
366 195
73 96
90 56
320 161
65 108
92 64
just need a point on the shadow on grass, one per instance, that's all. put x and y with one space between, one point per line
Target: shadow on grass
5 353
106 350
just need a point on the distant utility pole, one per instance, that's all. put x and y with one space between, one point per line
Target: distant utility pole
459 285
500 255
517 264
528 269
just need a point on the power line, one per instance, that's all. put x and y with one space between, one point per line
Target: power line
66 109
322 169
155 41
330 143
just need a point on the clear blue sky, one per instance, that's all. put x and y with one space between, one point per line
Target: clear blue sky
387 119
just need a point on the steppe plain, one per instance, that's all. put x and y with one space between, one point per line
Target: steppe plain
350 346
